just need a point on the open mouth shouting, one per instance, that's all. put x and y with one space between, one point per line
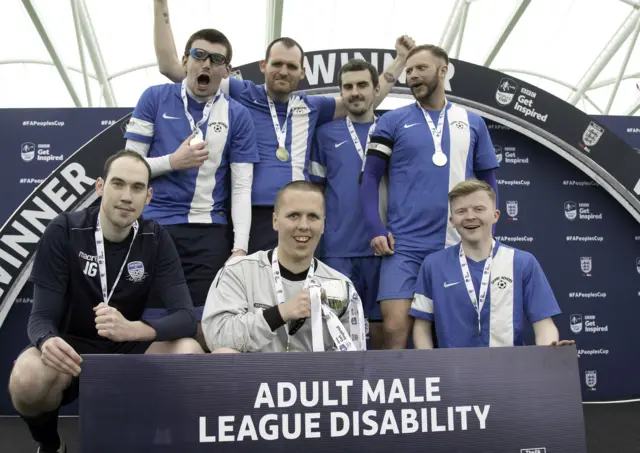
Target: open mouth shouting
203 81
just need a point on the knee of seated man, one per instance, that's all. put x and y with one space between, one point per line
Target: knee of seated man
31 381
225 351
181 346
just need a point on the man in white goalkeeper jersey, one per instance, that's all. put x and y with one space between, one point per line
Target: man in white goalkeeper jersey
285 299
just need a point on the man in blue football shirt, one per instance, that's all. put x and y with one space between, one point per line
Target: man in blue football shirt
336 162
426 148
285 123
201 147
481 292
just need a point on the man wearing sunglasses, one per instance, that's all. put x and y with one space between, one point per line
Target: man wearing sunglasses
200 145
285 123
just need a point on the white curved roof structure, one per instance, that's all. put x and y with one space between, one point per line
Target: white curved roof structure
66 53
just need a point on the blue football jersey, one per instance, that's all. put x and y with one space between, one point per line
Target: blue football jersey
335 161
418 208
307 112
518 292
195 195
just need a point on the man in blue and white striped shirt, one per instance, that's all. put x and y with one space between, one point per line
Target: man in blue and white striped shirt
201 147
480 292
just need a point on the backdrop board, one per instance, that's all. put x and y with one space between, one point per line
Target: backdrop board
463 400
566 183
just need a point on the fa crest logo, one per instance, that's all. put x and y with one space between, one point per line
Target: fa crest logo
592 134
570 210
506 91
28 151
498 153
585 264
237 74
591 379
136 271
512 209
575 321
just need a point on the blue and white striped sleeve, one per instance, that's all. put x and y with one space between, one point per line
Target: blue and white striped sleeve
141 126
422 304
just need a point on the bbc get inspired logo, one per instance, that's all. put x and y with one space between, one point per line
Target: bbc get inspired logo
580 211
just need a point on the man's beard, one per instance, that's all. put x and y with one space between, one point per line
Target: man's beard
431 86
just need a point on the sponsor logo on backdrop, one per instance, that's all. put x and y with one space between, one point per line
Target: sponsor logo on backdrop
498 150
581 211
591 379
534 450
586 265
512 209
29 123
638 265
585 239
510 156
28 151
591 136
633 130
576 322
514 182
515 238
41 152
108 122
508 91
573 183
591 295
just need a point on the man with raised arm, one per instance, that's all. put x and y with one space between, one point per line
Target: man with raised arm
285 123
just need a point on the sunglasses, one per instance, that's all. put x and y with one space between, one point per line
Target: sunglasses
201 54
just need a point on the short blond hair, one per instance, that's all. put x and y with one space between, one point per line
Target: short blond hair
464 188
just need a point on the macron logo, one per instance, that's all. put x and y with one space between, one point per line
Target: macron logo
167 117
338 145
446 285
407 126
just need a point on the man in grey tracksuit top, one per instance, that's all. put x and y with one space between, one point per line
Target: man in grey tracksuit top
268 302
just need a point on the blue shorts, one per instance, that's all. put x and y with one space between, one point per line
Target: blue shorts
399 272
364 272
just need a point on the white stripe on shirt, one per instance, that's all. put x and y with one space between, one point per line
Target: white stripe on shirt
140 127
459 142
299 137
203 202
502 304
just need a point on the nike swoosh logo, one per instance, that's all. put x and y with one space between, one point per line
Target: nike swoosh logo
407 126
167 117
337 145
446 285
255 101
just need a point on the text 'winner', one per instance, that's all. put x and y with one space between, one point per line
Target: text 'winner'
409 414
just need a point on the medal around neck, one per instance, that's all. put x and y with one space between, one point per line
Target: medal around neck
195 140
282 154
439 159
